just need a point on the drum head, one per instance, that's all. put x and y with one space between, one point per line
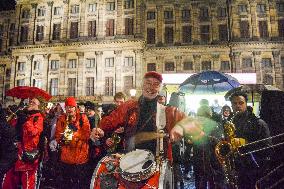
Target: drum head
136 161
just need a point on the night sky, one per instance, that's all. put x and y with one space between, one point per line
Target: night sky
7 4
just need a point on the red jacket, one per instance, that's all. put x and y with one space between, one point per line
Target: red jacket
77 152
127 114
31 129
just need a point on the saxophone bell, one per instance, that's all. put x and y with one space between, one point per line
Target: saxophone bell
68 132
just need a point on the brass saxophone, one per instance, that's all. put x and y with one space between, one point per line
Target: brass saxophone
68 132
225 151
116 140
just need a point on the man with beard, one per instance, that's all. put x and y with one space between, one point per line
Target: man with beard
29 127
139 116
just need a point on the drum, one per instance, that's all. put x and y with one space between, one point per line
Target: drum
137 165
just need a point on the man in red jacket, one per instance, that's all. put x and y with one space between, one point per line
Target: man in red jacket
26 167
139 117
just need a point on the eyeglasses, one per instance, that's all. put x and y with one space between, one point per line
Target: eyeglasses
150 84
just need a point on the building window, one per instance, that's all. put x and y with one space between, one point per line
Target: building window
263 31
151 67
128 83
1 30
280 7
223 32
169 66
12 27
90 86
128 61
26 14
242 8
267 79
92 28
204 14
1 44
54 65
205 33
54 87
169 35
71 86
281 28
109 86
244 29
75 9
225 65
93 7
185 14
206 65
37 83
260 8
24 33
21 66
37 65
110 27
247 62
128 26
41 12
56 32
57 11
21 82
109 62
186 34
74 30
168 15
72 63
39 33
90 63
222 12
282 62
110 6
151 15
188 65
128 4
266 63
151 36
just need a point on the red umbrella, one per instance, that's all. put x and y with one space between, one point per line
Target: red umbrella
24 92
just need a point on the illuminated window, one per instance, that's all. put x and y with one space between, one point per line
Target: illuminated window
57 11
41 12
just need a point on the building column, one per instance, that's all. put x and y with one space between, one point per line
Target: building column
138 68
277 69
214 23
257 66
216 61
65 25
100 25
178 25
139 19
83 30
236 64
46 71
63 75
49 30
99 86
195 23
253 14
80 74
178 60
118 64
30 59
33 23
119 25
160 24
197 63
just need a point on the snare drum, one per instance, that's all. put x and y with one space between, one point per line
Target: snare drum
137 165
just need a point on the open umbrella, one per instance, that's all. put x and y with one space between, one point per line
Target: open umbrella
252 90
24 92
208 82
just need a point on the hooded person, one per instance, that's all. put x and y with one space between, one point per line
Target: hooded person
72 134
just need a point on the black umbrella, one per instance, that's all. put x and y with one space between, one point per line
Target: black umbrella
208 82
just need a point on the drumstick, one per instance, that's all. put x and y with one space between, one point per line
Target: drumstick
142 137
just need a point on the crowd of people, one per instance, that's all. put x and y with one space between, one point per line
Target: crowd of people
60 146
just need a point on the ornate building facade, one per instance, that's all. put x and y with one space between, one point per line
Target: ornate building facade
99 47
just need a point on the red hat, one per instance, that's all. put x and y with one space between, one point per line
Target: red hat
153 74
70 101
